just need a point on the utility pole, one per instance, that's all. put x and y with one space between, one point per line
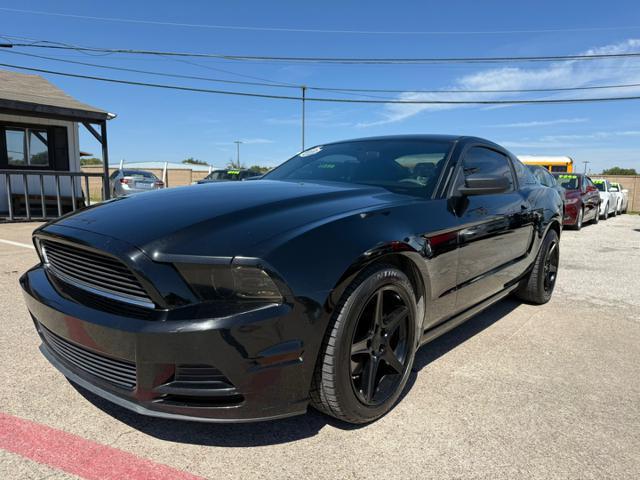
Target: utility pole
238 142
586 162
304 98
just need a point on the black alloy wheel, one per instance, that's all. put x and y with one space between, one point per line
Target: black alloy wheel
379 349
368 350
551 261
538 286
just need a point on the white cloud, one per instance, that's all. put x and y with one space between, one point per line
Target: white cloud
541 123
591 136
553 75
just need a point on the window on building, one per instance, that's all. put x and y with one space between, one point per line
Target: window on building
27 147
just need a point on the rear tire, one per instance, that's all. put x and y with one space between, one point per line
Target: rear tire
538 287
369 348
605 215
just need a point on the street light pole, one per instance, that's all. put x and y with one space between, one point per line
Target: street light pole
586 162
304 98
238 142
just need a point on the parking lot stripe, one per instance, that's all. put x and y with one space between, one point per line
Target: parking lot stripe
79 456
17 244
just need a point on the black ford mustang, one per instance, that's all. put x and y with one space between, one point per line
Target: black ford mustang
316 284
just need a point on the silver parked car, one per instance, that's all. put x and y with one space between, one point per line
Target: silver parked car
128 182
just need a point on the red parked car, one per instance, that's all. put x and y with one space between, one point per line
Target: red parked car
582 201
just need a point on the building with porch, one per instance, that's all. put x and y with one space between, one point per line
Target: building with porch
40 175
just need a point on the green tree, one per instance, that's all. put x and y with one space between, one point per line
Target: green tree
619 171
259 168
235 164
194 161
90 162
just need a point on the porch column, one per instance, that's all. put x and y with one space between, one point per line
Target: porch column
105 159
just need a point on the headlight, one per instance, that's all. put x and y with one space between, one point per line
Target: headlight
230 282
573 200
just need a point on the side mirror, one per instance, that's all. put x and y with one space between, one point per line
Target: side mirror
478 184
624 190
591 188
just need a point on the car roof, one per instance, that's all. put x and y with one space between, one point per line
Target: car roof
431 137
423 137
555 174
126 171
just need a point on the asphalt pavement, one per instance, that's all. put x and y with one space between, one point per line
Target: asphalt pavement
520 391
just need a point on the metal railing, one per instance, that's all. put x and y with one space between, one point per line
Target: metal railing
77 198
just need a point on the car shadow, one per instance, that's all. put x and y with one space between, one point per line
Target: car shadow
294 428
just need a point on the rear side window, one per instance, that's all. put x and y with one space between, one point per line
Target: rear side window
484 161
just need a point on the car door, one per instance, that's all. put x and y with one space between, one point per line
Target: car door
495 229
591 198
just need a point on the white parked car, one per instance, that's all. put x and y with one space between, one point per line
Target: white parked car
610 198
624 205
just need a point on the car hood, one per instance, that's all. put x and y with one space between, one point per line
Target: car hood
225 218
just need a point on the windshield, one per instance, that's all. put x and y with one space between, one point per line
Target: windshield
402 166
230 174
570 182
600 185
139 173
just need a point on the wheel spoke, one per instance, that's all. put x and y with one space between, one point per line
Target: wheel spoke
390 359
360 347
369 378
394 318
377 319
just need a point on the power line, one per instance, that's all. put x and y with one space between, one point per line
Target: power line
271 83
318 30
335 60
329 100
163 74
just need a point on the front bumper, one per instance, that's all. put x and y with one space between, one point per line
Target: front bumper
261 353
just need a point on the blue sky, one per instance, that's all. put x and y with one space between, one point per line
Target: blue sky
161 125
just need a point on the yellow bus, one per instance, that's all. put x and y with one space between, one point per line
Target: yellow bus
553 164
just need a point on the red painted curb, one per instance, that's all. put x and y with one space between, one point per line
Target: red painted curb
79 456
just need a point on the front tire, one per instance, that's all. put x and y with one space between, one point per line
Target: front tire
538 287
369 348
605 215
596 217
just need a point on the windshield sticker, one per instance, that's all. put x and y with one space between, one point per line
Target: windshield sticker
327 165
311 151
568 176
597 180
233 172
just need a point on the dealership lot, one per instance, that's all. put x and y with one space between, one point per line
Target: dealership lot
526 391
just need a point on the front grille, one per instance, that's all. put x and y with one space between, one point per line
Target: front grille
94 272
120 373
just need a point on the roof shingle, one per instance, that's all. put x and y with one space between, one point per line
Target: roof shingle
21 92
